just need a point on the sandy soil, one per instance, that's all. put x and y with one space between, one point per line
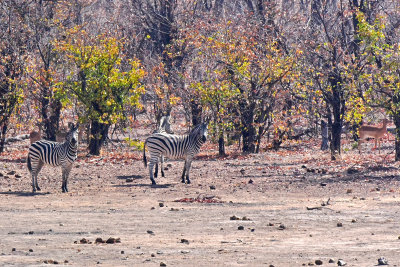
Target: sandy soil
292 208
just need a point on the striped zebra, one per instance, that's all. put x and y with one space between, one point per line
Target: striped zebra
163 127
175 147
54 154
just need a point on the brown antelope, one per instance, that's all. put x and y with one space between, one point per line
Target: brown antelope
373 132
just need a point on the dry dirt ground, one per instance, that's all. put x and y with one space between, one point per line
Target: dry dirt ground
294 207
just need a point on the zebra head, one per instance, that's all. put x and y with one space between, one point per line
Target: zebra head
72 135
204 131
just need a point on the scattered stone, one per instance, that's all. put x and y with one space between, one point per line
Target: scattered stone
173 209
270 224
1 175
251 181
31 232
30 250
212 187
331 261
339 224
383 261
113 240
185 241
162 264
99 240
122 252
252 229
13 249
129 180
318 262
349 191
281 227
11 173
246 219
84 241
241 227
323 184
18 176
153 255
353 220
50 262
352 171
234 218
150 232
161 204
341 263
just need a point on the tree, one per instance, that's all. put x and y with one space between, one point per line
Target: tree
96 81
13 41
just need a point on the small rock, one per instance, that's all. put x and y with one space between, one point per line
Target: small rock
349 191
153 255
31 232
353 220
331 261
13 249
84 241
352 171
241 227
129 180
162 264
122 252
99 240
113 240
341 263
234 218
184 241
11 173
251 181
270 224
212 187
30 250
323 184
1 175
382 261
18 176
339 224
282 227
318 262
150 232
161 204
169 165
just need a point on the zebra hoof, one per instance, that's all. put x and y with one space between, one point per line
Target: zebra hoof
153 183
38 188
188 181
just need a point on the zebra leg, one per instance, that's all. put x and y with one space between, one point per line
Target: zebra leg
35 171
161 166
156 171
153 160
183 173
188 163
65 174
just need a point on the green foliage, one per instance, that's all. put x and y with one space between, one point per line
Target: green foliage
136 144
95 78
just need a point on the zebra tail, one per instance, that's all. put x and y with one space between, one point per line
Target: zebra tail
144 155
28 161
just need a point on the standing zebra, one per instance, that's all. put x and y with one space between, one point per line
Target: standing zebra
175 146
54 154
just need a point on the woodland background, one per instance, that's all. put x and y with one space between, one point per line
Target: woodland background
255 68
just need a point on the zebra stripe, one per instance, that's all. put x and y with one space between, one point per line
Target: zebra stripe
175 147
54 154
163 127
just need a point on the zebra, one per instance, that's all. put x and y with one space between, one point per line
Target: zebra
175 146
53 154
163 127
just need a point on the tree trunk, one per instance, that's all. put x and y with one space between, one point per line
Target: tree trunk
338 109
98 135
248 131
221 144
196 112
396 119
3 135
